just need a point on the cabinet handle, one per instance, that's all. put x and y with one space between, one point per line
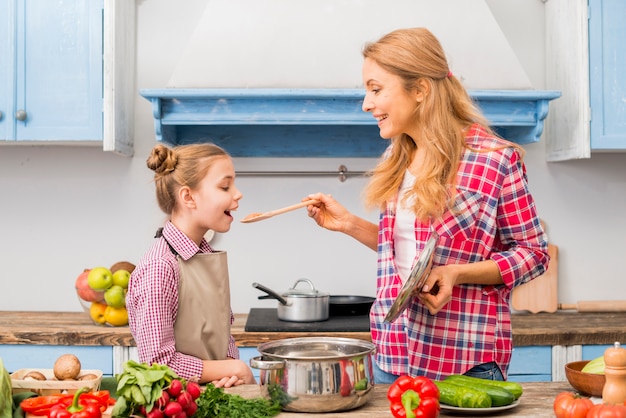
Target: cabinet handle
20 115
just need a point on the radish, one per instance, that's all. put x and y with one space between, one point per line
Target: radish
175 388
173 408
194 390
184 399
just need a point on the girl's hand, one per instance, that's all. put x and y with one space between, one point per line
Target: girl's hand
226 382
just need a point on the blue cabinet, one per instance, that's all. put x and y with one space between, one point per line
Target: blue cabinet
245 354
51 86
607 79
17 357
531 364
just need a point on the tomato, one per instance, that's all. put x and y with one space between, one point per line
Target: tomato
607 411
571 405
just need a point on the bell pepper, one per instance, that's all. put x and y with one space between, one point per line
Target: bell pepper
41 405
88 409
414 397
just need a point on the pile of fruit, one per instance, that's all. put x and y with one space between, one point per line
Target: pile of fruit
102 292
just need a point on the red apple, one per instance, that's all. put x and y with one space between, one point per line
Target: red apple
85 292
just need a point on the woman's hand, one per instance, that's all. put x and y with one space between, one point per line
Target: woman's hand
437 291
329 213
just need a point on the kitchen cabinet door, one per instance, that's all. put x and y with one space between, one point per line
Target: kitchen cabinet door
585 60
57 59
607 79
66 75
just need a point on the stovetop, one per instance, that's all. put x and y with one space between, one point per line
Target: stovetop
266 320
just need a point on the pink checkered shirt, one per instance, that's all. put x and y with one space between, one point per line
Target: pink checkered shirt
496 220
152 302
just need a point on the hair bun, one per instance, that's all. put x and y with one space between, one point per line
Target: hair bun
162 160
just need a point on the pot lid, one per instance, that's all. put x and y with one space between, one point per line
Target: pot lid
304 292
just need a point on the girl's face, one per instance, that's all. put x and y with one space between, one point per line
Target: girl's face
388 101
217 196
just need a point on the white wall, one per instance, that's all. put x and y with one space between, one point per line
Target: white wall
66 208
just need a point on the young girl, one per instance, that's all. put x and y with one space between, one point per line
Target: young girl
178 297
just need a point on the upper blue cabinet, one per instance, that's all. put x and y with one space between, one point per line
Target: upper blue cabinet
585 60
65 76
312 122
607 78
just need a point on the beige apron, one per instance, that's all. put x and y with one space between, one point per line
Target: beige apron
202 327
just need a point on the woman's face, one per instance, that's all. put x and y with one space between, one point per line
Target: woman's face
388 101
217 196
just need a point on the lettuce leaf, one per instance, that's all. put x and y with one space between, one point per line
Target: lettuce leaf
6 398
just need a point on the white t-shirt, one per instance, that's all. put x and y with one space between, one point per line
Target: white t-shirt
404 231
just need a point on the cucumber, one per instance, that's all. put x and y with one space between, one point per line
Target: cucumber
462 396
498 395
513 387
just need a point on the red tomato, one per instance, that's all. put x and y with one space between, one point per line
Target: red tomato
607 411
571 405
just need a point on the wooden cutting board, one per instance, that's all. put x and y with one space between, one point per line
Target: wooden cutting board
541 293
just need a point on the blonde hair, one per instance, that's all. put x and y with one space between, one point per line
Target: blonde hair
184 165
447 111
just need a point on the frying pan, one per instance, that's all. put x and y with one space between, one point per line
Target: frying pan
349 305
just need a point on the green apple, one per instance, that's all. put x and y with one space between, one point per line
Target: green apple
115 296
100 278
121 278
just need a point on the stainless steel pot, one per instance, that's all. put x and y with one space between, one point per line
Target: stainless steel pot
299 304
316 374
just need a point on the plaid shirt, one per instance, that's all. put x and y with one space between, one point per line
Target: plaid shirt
495 219
152 302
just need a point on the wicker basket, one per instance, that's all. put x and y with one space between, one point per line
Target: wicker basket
52 385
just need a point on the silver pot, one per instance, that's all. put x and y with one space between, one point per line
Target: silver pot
316 374
299 304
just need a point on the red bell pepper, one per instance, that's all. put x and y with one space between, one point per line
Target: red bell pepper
88 409
41 405
414 397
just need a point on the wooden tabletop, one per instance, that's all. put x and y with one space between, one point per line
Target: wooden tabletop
536 402
75 328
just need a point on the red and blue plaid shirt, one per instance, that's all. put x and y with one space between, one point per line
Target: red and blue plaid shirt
152 303
494 219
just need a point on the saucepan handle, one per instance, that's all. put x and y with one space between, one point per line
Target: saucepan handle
259 363
270 292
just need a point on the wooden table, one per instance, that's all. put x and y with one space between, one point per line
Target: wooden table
536 402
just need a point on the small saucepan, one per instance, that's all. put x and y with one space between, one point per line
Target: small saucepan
299 304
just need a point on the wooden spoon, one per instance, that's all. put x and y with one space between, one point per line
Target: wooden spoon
255 217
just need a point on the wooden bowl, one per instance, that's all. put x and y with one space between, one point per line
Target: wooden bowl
585 383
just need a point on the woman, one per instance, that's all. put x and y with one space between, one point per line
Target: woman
178 297
444 172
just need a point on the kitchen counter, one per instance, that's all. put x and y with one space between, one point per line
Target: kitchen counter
536 401
75 328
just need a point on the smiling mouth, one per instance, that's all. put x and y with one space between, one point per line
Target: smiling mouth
380 118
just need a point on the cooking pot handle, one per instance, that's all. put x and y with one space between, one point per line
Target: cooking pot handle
270 292
310 283
259 363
